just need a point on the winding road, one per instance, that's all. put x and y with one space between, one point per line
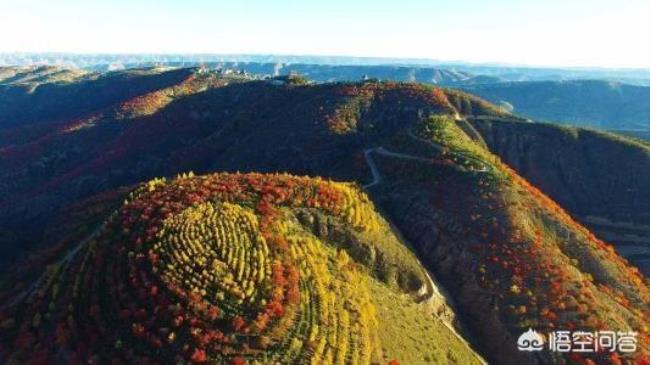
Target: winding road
376 175
433 292
436 293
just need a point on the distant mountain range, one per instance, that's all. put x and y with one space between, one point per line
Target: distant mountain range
599 98
594 103
503 71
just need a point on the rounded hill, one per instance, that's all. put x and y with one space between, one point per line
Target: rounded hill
235 268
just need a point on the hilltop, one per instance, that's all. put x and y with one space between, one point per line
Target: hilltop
437 163
236 268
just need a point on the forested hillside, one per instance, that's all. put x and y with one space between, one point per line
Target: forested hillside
462 188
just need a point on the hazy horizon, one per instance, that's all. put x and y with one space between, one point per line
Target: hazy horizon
591 34
332 59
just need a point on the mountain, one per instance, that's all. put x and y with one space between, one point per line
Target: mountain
575 167
604 99
34 75
239 267
436 163
591 103
38 95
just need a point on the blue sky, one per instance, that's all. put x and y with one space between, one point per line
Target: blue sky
607 33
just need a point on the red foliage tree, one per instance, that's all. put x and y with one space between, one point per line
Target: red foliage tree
238 323
198 356
238 361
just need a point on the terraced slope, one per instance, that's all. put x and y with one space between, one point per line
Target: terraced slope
234 268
